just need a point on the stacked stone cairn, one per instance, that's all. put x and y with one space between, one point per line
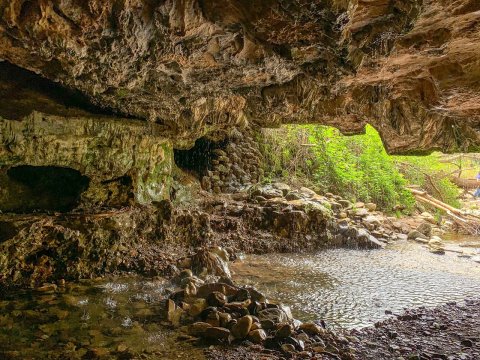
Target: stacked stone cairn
236 165
220 312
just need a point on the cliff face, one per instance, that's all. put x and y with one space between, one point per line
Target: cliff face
201 67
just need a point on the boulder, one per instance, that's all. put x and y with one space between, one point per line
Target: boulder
198 329
360 212
428 217
284 331
216 333
228 290
371 206
274 315
217 299
257 336
284 188
412 235
242 328
345 203
366 240
307 192
311 329
425 229
197 307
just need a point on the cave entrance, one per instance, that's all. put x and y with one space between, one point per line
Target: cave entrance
199 159
26 189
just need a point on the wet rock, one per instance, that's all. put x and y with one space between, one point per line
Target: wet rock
177 317
208 262
213 318
267 324
221 252
197 307
47 288
257 336
274 315
256 295
241 329
288 348
225 319
284 331
217 299
311 328
242 295
365 239
216 333
227 290
190 290
198 329
186 273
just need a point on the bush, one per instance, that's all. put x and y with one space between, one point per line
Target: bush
355 167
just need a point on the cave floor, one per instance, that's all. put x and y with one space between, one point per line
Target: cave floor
451 331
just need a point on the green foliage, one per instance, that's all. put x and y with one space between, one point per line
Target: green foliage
356 167
431 174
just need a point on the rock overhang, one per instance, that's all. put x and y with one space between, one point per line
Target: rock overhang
201 68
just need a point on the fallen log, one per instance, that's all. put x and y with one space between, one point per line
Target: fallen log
469 223
467 184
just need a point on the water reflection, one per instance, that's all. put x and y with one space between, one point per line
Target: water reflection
108 319
351 288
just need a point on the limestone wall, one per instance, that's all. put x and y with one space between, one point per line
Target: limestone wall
106 150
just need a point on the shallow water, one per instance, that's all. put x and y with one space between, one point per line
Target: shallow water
353 288
88 318
121 318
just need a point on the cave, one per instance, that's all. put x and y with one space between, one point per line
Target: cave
27 189
198 160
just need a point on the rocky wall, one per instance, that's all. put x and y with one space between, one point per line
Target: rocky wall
201 68
123 160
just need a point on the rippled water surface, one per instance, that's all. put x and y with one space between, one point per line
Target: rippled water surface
352 288
120 319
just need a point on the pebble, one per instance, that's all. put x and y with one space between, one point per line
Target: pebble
288 348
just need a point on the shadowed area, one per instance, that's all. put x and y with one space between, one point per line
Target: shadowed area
40 188
23 91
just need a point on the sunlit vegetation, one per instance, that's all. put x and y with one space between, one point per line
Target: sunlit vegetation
356 167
